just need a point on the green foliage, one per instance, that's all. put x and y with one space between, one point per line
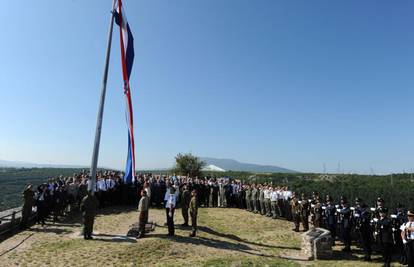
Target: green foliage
188 164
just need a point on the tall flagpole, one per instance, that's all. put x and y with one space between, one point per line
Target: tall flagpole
94 164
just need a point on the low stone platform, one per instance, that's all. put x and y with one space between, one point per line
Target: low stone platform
133 231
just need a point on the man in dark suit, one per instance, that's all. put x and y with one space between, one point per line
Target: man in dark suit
384 227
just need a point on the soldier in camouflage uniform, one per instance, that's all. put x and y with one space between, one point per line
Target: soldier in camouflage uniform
193 212
254 198
317 213
88 207
295 210
304 212
143 207
248 198
268 200
186 197
261 200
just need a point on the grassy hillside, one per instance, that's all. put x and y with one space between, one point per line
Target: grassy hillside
227 237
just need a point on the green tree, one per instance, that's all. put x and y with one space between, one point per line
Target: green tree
188 164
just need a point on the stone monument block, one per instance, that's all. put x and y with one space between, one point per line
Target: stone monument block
317 244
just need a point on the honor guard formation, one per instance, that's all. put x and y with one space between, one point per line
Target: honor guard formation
374 229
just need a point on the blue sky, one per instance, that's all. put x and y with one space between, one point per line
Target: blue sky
290 83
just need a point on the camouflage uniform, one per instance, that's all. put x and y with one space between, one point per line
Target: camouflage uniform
304 213
248 199
143 207
295 209
193 214
186 197
261 201
254 199
88 207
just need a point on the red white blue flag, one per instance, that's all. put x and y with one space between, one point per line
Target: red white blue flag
127 60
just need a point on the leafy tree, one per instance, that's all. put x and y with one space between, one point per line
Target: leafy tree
188 164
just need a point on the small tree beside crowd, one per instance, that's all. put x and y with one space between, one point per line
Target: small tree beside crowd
188 164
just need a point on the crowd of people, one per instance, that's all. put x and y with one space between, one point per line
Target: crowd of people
370 227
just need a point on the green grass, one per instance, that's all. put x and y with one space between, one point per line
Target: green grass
226 237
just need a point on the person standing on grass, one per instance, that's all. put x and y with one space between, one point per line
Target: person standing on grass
143 207
193 212
186 198
385 235
294 204
88 207
169 209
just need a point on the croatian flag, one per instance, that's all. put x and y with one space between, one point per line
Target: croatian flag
127 60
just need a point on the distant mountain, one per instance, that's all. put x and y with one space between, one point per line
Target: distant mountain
233 165
212 164
22 164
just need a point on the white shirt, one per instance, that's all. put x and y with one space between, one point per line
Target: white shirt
408 225
109 183
101 185
171 201
148 189
267 193
287 195
273 196
235 188
279 194
167 194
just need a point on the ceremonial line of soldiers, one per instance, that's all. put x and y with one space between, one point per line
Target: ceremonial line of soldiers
370 227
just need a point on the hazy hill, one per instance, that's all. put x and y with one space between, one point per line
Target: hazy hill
234 165
23 164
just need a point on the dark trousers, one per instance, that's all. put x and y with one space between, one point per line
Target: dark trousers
193 222
41 212
332 229
366 242
296 220
170 221
184 212
305 221
88 221
26 212
280 207
386 253
143 219
409 250
346 236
